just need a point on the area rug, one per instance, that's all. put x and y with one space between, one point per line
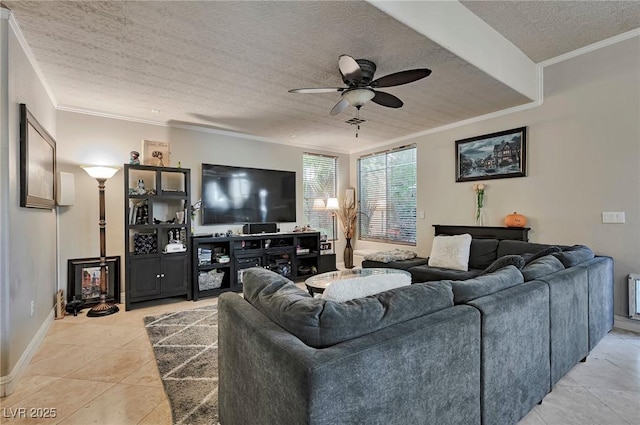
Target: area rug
185 344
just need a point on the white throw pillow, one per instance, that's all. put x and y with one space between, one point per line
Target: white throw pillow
360 287
451 252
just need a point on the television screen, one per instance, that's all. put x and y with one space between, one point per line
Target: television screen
247 195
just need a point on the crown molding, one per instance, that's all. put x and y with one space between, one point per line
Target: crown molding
592 47
13 24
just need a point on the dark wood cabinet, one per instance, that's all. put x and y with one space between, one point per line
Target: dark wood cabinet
157 233
293 255
485 232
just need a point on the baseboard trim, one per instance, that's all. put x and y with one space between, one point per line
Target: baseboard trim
627 324
9 382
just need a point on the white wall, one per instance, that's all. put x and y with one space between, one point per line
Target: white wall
583 158
86 139
31 233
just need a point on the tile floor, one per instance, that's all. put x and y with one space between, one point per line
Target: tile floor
102 371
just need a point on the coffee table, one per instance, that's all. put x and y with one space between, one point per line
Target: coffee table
318 283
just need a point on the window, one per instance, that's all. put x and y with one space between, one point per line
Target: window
319 182
387 186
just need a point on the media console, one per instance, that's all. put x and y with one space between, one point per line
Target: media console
218 263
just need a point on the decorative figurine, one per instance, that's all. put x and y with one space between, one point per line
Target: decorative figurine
134 158
141 190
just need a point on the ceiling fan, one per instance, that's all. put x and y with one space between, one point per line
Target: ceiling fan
357 75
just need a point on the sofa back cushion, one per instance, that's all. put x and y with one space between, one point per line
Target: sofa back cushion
541 267
470 289
451 252
483 252
574 255
507 247
320 323
508 260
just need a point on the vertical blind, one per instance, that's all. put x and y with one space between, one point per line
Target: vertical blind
387 194
319 182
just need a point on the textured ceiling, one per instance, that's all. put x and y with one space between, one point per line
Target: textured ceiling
546 29
229 65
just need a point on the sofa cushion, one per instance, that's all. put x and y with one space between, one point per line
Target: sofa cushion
402 265
389 256
451 252
321 323
429 274
574 255
532 256
541 267
470 289
507 247
360 287
482 253
507 260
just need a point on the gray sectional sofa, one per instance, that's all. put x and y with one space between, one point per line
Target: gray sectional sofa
483 349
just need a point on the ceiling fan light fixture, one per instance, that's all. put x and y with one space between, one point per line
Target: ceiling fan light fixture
358 97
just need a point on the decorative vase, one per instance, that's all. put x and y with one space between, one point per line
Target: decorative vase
348 255
480 216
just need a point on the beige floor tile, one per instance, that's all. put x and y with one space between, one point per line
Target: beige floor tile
27 386
140 343
532 418
161 415
625 403
576 406
48 349
601 373
121 404
64 395
68 361
113 366
147 374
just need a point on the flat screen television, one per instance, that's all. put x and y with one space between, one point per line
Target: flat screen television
232 195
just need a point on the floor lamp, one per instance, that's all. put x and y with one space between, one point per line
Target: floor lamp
333 205
103 308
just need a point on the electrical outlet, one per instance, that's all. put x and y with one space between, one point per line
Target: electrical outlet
33 307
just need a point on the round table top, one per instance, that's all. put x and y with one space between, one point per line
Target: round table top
321 281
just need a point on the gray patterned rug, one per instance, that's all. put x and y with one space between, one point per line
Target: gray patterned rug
185 344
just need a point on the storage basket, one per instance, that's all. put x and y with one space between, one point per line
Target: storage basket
210 280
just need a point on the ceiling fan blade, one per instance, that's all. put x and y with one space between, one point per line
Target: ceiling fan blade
350 70
339 107
386 99
402 77
318 90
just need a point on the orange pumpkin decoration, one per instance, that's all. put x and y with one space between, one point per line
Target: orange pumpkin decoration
515 220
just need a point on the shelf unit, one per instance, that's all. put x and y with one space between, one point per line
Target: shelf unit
293 255
156 213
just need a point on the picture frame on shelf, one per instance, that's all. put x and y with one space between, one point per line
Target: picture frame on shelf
157 154
492 156
83 280
37 163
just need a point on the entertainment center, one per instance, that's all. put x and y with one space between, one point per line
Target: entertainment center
218 263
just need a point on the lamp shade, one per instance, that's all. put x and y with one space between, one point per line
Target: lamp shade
100 171
358 97
332 204
318 204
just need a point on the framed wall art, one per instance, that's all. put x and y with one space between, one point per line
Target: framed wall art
492 156
37 163
83 280
156 153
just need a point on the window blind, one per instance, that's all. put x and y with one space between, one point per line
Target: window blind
319 181
387 194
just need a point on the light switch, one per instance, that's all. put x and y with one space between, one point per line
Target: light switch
616 217
421 214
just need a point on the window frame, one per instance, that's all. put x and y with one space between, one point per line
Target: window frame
385 222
